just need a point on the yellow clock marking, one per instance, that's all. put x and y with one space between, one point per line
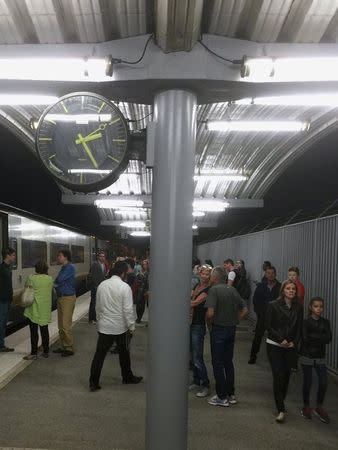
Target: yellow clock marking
114 121
64 107
101 107
81 177
53 156
45 139
114 159
119 141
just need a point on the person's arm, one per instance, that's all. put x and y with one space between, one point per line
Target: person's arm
199 299
243 310
98 304
210 304
65 274
269 326
243 313
128 310
231 278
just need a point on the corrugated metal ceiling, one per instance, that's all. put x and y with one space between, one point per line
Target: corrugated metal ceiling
262 156
64 21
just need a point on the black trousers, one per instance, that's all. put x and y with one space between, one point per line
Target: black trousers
321 371
34 327
104 343
92 312
259 333
281 360
140 307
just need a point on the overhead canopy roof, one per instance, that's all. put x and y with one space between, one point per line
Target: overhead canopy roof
177 25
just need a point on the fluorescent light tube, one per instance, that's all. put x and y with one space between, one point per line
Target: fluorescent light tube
140 233
54 69
290 69
117 204
78 118
198 214
27 99
133 224
225 177
312 100
256 126
210 205
94 171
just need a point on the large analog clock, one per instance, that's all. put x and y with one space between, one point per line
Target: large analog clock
82 140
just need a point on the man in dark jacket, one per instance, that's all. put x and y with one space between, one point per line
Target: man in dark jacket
6 293
97 275
264 294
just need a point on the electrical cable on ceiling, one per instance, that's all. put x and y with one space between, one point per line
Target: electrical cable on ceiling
118 60
139 120
232 61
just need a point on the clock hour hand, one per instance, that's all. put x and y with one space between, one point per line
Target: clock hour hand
87 150
89 138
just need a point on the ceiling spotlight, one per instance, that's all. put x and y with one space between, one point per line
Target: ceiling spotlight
140 233
133 224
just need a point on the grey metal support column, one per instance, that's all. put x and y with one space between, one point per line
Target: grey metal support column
171 253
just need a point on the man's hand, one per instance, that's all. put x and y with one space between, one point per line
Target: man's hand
284 344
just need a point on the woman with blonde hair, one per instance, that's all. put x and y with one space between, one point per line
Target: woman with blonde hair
197 332
284 326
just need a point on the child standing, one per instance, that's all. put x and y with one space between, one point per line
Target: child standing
316 335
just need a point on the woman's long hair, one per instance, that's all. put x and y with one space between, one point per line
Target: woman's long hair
282 289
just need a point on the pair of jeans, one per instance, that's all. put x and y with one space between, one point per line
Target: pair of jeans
281 361
321 371
34 327
4 309
222 340
197 333
259 333
104 343
92 306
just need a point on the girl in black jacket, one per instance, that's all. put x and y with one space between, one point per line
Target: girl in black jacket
316 335
284 324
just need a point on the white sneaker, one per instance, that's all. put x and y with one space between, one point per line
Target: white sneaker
280 418
232 400
215 401
203 392
193 387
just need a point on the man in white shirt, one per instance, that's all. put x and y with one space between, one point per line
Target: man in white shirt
230 269
115 323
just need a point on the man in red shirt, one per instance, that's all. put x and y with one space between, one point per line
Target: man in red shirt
293 275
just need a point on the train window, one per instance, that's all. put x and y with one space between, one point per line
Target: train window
77 254
54 250
32 252
13 243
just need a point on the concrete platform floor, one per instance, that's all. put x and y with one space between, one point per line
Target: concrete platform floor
48 406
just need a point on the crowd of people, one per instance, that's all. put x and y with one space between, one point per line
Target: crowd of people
219 300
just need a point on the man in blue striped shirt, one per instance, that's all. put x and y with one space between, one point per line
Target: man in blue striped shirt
65 289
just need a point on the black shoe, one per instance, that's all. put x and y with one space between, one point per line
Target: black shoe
58 350
133 380
94 387
138 320
67 353
252 360
6 349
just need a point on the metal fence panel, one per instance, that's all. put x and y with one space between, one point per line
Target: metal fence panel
312 246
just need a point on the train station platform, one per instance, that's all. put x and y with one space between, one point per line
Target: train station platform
48 405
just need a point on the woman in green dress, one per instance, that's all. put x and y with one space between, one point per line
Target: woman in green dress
39 313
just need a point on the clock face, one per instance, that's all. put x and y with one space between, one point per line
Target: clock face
83 140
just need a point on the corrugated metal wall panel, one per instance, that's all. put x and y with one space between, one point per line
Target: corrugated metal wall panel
312 246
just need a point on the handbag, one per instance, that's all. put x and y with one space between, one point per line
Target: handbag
27 297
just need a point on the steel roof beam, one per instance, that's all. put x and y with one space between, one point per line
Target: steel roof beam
89 199
177 24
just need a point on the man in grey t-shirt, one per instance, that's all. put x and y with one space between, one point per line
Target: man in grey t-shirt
225 309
